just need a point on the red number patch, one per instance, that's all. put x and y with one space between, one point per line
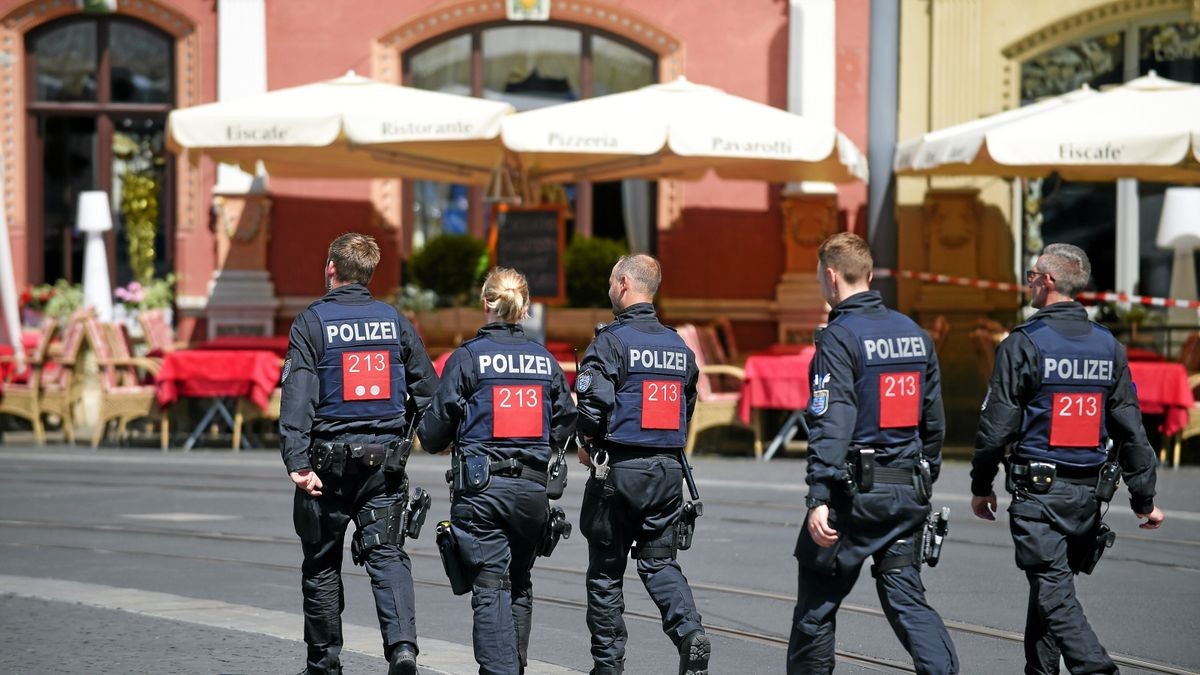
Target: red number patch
366 376
660 404
1075 421
516 411
899 400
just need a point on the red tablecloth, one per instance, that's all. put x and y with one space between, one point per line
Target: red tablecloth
206 373
7 365
1162 389
778 382
272 343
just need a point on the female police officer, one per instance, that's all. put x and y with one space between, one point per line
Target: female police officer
502 401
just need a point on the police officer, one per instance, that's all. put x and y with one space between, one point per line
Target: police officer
637 391
356 373
1060 389
874 449
503 401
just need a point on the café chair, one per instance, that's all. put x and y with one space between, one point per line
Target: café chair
1193 426
123 396
62 377
159 336
713 408
22 390
247 411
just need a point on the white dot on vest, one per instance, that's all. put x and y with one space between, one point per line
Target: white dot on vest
374 390
360 390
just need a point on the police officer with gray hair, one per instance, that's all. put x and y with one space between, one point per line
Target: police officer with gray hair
504 404
1059 395
637 391
356 374
876 427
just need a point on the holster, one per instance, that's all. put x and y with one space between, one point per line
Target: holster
418 507
1034 477
685 527
923 481
394 530
396 459
556 474
1106 482
937 526
1089 556
452 563
471 473
557 527
860 467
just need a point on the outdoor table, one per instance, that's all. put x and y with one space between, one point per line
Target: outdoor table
1162 389
777 381
220 375
272 343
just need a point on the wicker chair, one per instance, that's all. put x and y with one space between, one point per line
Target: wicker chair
159 336
246 411
713 408
23 390
123 397
62 387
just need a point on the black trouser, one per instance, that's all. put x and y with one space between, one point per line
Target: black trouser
1049 531
321 524
879 525
498 533
643 500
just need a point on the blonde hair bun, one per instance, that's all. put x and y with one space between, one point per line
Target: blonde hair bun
506 294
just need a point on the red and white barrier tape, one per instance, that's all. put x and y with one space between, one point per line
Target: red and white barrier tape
949 279
1092 296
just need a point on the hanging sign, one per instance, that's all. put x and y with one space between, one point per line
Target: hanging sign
527 10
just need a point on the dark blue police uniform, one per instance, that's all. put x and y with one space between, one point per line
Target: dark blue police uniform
637 391
875 387
355 373
1060 388
502 397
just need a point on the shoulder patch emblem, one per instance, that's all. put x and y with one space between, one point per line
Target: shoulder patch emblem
287 369
819 402
583 383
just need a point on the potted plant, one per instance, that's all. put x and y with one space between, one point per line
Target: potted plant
134 297
587 263
452 268
33 303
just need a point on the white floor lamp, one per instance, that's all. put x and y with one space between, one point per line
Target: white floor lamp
95 218
1179 229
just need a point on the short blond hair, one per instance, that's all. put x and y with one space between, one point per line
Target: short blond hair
849 254
506 294
354 257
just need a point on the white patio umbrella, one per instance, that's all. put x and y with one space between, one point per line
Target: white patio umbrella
1148 128
678 130
349 127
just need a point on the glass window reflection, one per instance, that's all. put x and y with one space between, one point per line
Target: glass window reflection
531 67
141 64
445 67
66 63
617 67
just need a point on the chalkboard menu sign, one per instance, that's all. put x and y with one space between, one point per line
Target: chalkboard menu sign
531 240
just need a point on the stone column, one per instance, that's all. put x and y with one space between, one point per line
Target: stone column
241 296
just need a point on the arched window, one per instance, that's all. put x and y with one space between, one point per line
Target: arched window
531 67
1084 214
97 96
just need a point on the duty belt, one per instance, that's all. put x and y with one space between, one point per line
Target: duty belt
1065 473
336 457
892 476
515 468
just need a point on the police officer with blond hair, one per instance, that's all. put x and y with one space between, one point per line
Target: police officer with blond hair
637 391
876 427
504 404
1059 393
356 373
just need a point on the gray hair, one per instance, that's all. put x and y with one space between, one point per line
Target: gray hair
643 270
1068 265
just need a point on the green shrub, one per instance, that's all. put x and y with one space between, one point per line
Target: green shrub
453 266
587 263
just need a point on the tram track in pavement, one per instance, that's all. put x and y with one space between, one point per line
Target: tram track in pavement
544 566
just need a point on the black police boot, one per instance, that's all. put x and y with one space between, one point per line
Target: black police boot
403 660
693 654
